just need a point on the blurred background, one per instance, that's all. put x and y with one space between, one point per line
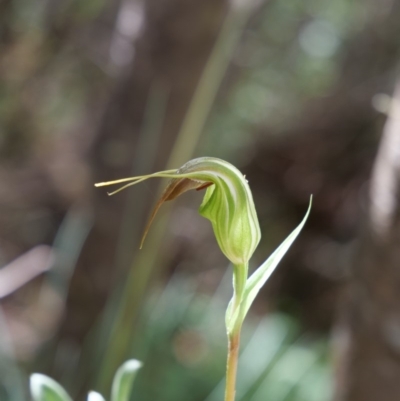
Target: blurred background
300 96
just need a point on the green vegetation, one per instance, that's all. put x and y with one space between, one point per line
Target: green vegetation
43 388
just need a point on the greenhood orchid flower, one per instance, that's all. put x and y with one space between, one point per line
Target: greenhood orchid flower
228 203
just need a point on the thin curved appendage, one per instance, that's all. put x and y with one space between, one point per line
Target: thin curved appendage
179 184
150 221
175 188
120 181
158 175
127 186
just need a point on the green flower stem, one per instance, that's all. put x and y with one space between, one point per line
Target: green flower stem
239 283
231 364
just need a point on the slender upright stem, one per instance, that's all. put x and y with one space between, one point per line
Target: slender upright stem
239 282
231 366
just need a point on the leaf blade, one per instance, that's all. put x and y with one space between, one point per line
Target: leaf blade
44 388
256 281
123 380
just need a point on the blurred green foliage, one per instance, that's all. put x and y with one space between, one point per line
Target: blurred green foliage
183 346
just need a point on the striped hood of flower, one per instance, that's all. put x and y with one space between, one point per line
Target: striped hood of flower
228 202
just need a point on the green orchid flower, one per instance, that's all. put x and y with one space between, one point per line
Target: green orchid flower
228 204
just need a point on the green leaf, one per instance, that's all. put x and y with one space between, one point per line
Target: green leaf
43 388
123 380
95 396
262 274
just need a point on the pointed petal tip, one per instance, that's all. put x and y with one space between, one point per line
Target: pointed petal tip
144 237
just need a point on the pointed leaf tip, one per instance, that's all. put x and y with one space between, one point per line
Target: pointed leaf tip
123 380
95 396
256 281
44 388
